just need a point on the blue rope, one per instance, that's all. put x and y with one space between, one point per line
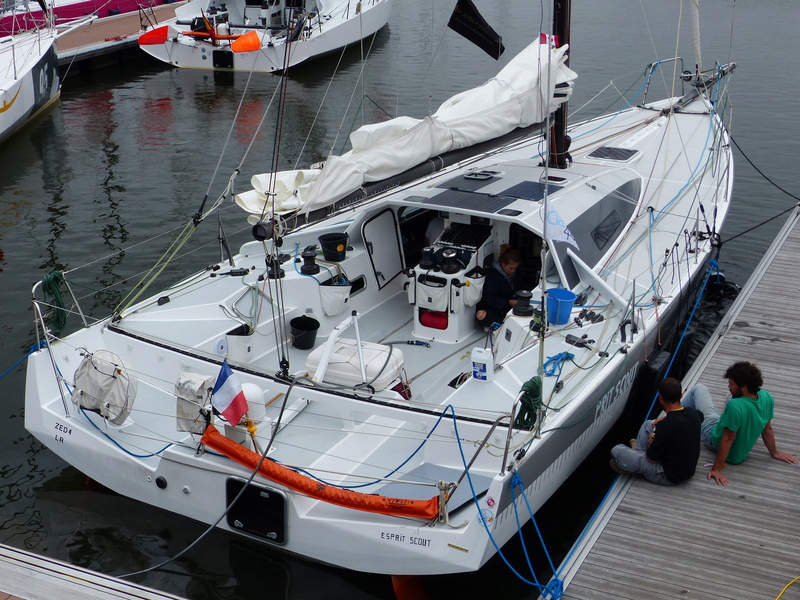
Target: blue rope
555 588
712 266
112 440
120 446
556 362
516 481
389 474
34 348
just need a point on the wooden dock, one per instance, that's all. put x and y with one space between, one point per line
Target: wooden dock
110 36
27 576
699 539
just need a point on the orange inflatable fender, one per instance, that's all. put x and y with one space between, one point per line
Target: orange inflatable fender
401 507
154 37
249 42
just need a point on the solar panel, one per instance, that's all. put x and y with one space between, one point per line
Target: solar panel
611 153
470 201
530 190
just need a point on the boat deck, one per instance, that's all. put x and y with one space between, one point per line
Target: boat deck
699 539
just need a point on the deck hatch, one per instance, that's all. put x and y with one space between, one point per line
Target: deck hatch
469 184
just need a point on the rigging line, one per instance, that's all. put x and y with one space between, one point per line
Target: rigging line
697 172
712 267
393 471
349 103
780 214
225 145
649 31
246 485
628 104
677 46
609 85
259 127
74 56
34 348
120 446
361 48
157 268
760 172
319 109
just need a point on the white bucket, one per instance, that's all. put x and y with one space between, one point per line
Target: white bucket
482 364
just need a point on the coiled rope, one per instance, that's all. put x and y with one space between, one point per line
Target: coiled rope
51 285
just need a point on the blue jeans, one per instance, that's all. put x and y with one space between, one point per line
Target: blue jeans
636 461
700 398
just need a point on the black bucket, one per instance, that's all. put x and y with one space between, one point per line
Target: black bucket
304 332
334 246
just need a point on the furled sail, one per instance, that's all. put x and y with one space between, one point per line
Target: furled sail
521 94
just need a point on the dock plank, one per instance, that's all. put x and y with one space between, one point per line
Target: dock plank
109 34
28 576
699 539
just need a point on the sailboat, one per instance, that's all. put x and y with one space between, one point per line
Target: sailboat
269 36
327 391
29 79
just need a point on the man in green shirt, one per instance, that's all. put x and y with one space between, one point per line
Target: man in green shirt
747 415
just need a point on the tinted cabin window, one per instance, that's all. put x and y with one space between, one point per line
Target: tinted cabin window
597 229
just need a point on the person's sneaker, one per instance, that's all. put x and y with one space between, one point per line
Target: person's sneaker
633 443
617 469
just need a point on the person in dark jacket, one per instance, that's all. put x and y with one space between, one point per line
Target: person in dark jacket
666 449
502 282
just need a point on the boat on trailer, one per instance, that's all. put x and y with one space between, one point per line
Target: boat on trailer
386 430
269 36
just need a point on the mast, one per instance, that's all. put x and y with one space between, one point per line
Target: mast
559 141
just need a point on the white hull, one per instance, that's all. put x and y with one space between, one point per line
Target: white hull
345 26
631 207
29 81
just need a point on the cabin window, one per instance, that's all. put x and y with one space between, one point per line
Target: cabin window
596 229
607 230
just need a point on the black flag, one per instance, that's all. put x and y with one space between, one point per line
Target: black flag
467 21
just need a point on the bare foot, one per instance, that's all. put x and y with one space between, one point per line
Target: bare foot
480 315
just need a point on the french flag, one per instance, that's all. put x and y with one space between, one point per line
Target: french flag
228 398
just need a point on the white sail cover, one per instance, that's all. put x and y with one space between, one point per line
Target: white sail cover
521 94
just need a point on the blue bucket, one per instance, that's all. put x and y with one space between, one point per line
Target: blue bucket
559 306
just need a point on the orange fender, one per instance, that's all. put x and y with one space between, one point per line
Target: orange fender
154 37
403 507
249 42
